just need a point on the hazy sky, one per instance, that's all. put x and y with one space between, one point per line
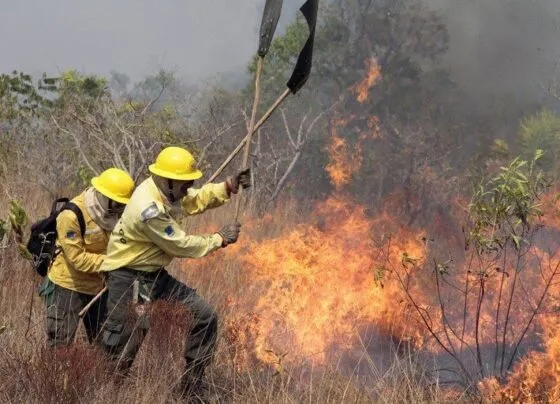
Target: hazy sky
193 37
505 46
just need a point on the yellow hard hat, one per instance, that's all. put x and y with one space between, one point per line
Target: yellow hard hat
115 184
175 163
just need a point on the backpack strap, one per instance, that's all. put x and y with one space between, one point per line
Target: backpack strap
56 202
78 212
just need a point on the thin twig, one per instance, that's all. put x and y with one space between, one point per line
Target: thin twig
78 145
446 323
497 321
533 314
477 323
508 311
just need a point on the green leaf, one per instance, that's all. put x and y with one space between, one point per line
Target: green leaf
538 154
18 216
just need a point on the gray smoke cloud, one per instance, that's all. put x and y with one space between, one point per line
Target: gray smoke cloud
195 38
497 46
504 47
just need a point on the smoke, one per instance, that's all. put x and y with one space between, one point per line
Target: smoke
194 38
502 47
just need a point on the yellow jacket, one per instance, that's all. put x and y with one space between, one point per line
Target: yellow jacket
147 237
77 266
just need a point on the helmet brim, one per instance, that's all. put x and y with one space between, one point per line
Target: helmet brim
195 175
104 191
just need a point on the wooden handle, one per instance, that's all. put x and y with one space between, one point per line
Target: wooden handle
258 125
251 129
95 298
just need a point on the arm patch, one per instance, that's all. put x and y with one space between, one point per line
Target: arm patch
150 212
169 230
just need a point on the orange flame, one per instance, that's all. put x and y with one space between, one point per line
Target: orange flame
316 284
536 378
310 286
344 159
322 284
373 74
344 162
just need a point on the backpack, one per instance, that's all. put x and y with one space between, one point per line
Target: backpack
42 240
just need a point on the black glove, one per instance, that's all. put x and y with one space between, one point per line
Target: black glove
242 178
229 233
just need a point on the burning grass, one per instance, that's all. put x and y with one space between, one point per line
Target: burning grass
309 307
32 372
292 370
336 303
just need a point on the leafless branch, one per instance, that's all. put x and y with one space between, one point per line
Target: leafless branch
78 145
155 99
287 128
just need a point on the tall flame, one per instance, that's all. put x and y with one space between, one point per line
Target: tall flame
343 162
320 280
311 284
344 159
373 73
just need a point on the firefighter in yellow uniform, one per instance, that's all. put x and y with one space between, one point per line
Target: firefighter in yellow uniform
74 277
146 239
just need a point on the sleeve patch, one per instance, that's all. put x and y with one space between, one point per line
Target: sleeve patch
169 230
150 212
71 234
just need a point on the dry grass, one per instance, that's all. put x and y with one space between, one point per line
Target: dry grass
31 372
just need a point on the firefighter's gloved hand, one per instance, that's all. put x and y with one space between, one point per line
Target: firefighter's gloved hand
229 233
242 178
